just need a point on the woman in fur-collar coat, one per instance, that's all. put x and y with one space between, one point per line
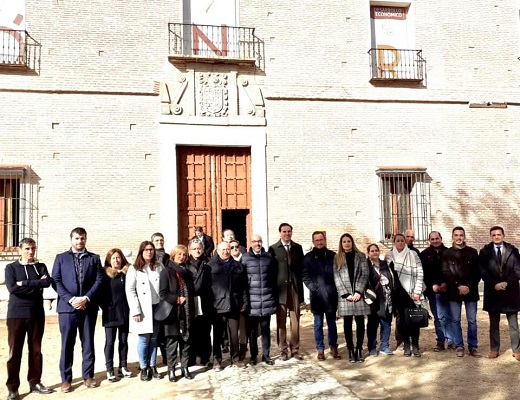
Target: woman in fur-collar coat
115 312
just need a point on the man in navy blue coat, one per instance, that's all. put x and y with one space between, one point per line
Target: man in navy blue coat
77 274
318 276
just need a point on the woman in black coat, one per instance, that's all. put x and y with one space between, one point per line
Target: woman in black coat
115 312
381 281
203 298
176 288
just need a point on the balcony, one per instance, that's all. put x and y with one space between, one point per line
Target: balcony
214 44
19 51
396 65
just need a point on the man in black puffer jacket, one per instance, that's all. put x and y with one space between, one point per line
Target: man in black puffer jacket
262 274
229 288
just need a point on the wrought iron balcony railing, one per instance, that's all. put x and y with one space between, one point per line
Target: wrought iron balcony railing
212 43
389 64
18 49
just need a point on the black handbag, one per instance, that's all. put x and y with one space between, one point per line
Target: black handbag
417 317
163 310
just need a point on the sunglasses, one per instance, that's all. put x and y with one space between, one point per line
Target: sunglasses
234 247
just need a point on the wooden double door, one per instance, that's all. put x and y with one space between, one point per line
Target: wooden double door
214 191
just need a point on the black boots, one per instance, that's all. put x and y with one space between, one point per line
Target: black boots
146 374
359 355
155 373
355 355
186 373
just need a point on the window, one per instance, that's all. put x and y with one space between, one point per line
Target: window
17 206
393 56
404 195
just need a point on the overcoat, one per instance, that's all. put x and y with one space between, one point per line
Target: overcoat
113 298
345 288
288 272
139 294
318 276
500 301
261 272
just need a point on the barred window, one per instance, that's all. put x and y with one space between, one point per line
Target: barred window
404 194
17 206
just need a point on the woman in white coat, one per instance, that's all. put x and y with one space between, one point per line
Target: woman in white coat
142 292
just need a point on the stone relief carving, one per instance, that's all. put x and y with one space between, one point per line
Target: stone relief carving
212 95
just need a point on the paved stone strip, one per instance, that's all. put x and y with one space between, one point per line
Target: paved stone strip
299 380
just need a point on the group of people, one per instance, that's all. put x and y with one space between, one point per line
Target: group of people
175 301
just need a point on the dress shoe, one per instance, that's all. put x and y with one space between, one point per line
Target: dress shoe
13 395
321 355
217 367
517 356
451 346
155 373
268 360
297 356
335 353
39 388
65 387
351 356
474 352
238 364
439 347
359 355
416 352
171 375
284 356
90 383
253 361
110 376
494 354
186 373
407 351
124 373
459 352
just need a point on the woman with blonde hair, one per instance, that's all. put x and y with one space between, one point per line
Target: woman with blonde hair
351 279
115 312
144 274
176 288
408 269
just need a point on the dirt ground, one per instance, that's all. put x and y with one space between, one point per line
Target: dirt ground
433 376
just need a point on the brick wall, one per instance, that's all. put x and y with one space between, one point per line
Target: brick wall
88 124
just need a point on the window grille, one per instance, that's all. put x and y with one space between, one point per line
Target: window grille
18 209
404 197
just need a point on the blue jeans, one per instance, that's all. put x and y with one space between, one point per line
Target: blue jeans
147 346
439 306
374 322
456 328
331 328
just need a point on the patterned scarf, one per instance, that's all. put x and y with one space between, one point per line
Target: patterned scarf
184 309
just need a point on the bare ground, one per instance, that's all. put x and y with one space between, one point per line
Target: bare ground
433 376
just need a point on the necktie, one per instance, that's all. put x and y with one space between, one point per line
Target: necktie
499 256
288 250
79 270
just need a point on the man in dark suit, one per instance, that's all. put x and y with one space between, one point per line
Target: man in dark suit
207 241
78 275
289 256
500 269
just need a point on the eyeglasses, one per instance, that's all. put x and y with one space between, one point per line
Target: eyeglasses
256 241
234 247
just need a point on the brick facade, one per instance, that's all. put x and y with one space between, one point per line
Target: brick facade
91 124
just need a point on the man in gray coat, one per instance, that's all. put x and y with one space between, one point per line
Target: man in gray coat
289 257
